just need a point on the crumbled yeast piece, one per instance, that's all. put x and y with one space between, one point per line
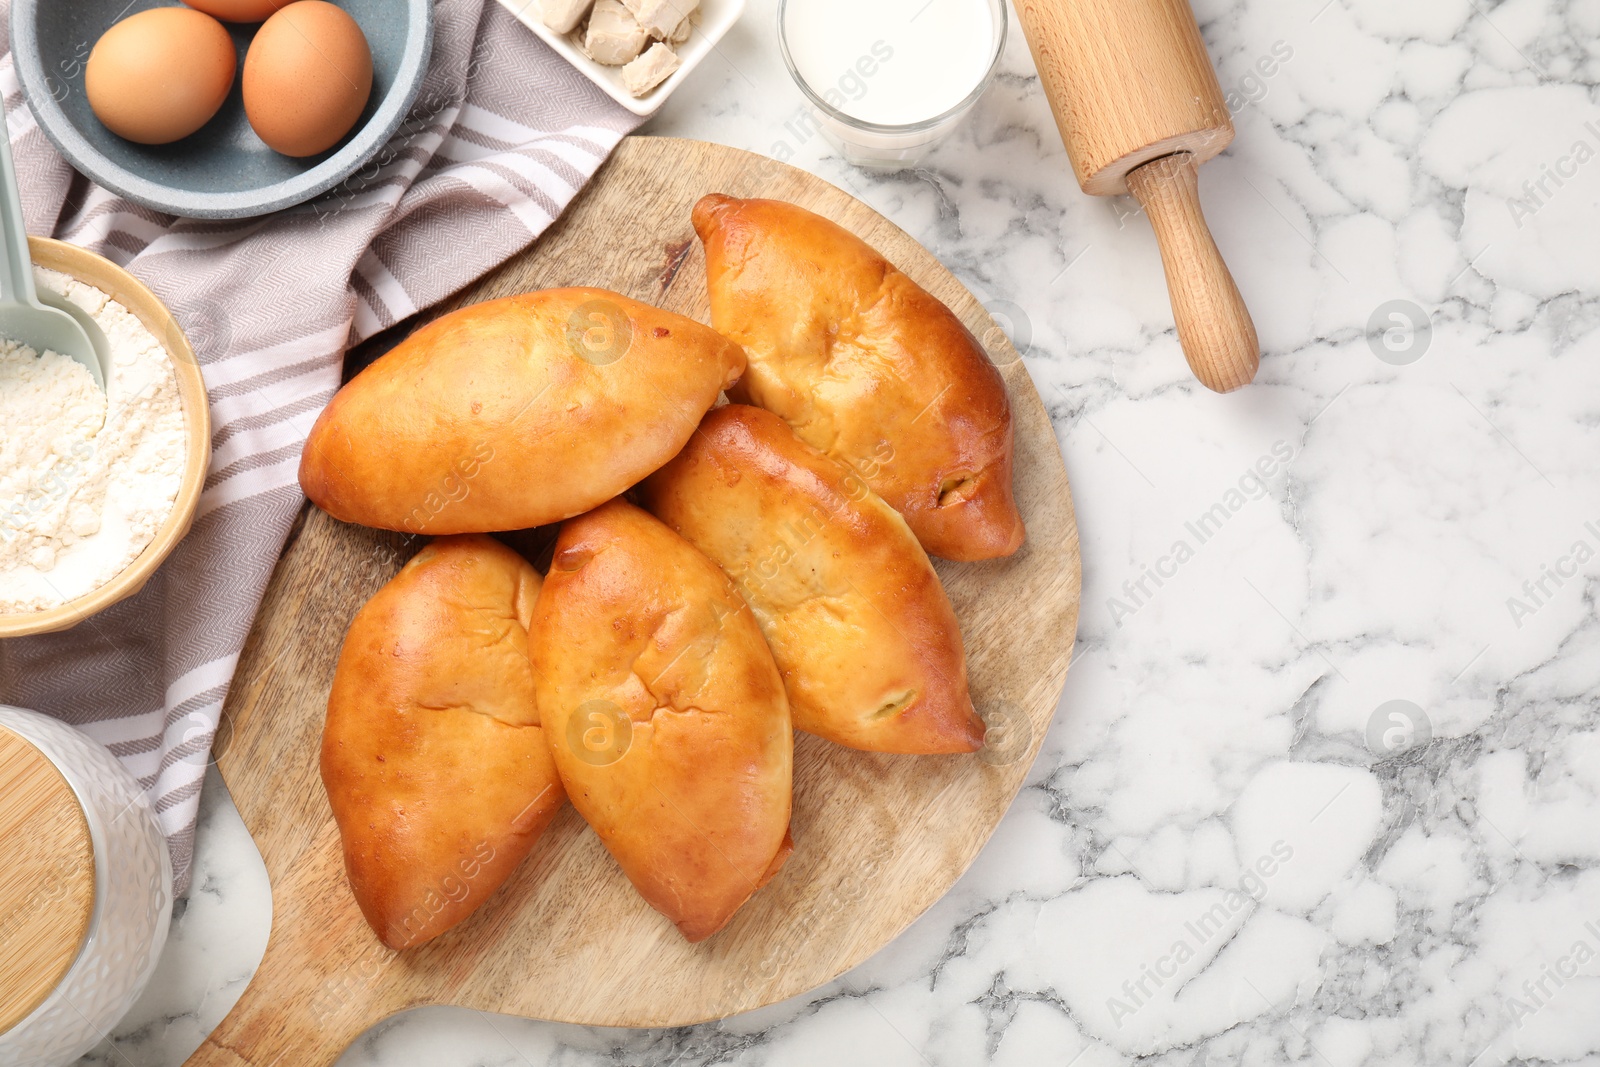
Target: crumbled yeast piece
661 18
614 36
563 16
650 69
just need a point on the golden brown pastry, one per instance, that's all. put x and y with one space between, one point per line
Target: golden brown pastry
867 367
438 773
859 625
515 413
666 714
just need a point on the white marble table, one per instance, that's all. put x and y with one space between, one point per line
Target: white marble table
1421 880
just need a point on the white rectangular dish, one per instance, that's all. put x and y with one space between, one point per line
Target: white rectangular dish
716 18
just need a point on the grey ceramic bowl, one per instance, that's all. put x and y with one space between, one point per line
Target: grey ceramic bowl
223 171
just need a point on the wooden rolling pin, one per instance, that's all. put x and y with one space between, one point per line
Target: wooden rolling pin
1139 108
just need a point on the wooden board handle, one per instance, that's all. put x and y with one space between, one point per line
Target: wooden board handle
324 979
284 1021
1214 326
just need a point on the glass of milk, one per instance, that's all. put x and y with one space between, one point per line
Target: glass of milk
888 79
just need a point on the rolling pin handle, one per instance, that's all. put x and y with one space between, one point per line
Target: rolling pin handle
1214 326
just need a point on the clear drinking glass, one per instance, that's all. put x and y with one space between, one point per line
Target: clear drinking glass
888 147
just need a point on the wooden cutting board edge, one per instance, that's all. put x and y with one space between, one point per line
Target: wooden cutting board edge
264 762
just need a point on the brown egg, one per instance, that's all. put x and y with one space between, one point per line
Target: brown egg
307 77
160 75
238 10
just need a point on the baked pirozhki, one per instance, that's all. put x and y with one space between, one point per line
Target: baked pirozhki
862 632
437 770
666 714
515 413
866 366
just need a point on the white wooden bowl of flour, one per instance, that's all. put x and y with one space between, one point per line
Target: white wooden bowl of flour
22 511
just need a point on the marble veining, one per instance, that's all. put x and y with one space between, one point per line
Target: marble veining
1324 786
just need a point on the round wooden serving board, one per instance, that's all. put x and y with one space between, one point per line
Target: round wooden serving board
878 838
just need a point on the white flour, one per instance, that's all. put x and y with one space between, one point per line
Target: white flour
84 483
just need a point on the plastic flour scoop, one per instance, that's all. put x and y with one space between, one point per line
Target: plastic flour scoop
57 325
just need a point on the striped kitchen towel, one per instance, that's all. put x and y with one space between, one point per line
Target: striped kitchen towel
503 134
